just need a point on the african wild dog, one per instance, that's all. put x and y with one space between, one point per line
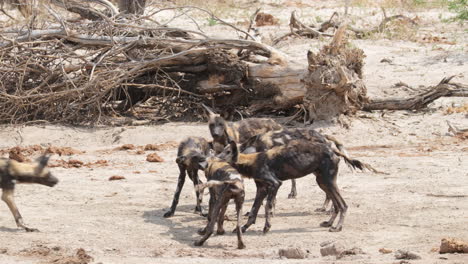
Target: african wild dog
239 131
189 153
225 183
296 159
263 142
12 171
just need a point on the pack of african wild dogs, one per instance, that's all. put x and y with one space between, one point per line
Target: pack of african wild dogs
257 149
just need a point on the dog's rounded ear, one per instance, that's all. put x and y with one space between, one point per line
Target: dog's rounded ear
180 159
210 111
202 164
43 160
201 161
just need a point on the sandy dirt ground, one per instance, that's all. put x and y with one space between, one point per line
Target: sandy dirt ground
422 198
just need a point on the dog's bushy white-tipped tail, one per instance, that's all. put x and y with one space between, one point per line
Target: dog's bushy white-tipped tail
354 163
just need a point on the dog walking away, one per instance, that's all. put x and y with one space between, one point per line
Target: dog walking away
238 131
190 152
225 183
12 171
294 160
266 141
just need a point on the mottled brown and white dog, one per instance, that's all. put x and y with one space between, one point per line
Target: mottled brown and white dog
191 150
225 183
12 172
238 131
293 160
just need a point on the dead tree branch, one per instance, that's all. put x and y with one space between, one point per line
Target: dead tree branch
444 88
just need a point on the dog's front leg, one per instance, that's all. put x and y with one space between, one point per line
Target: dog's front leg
272 191
7 197
180 185
260 196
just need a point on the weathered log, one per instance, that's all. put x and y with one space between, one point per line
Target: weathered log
362 32
444 88
86 11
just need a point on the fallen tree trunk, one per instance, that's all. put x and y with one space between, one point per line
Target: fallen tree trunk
444 89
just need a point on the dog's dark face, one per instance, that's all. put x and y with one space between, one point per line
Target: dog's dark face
193 160
36 172
216 124
230 152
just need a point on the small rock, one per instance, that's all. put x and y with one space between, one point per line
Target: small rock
57 248
154 157
265 19
116 178
400 84
292 253
405 254
326 243
140 152
75 163
333 249
453 245
385 251
387 60
3 250
158 253
402 262
83 256
352 251
127 147
152 147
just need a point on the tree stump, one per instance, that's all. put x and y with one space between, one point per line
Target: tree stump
334 80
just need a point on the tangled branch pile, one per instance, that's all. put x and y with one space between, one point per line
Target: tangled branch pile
88 70
81 72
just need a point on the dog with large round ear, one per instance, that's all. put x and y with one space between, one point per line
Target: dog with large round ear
42 164
211 113
216 124
12 172
230 153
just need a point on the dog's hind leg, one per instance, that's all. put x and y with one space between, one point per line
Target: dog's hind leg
7 197
214 217
180 185
343 207
325 187
293 193
196 180
328 174
220 230
325 205
239 200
